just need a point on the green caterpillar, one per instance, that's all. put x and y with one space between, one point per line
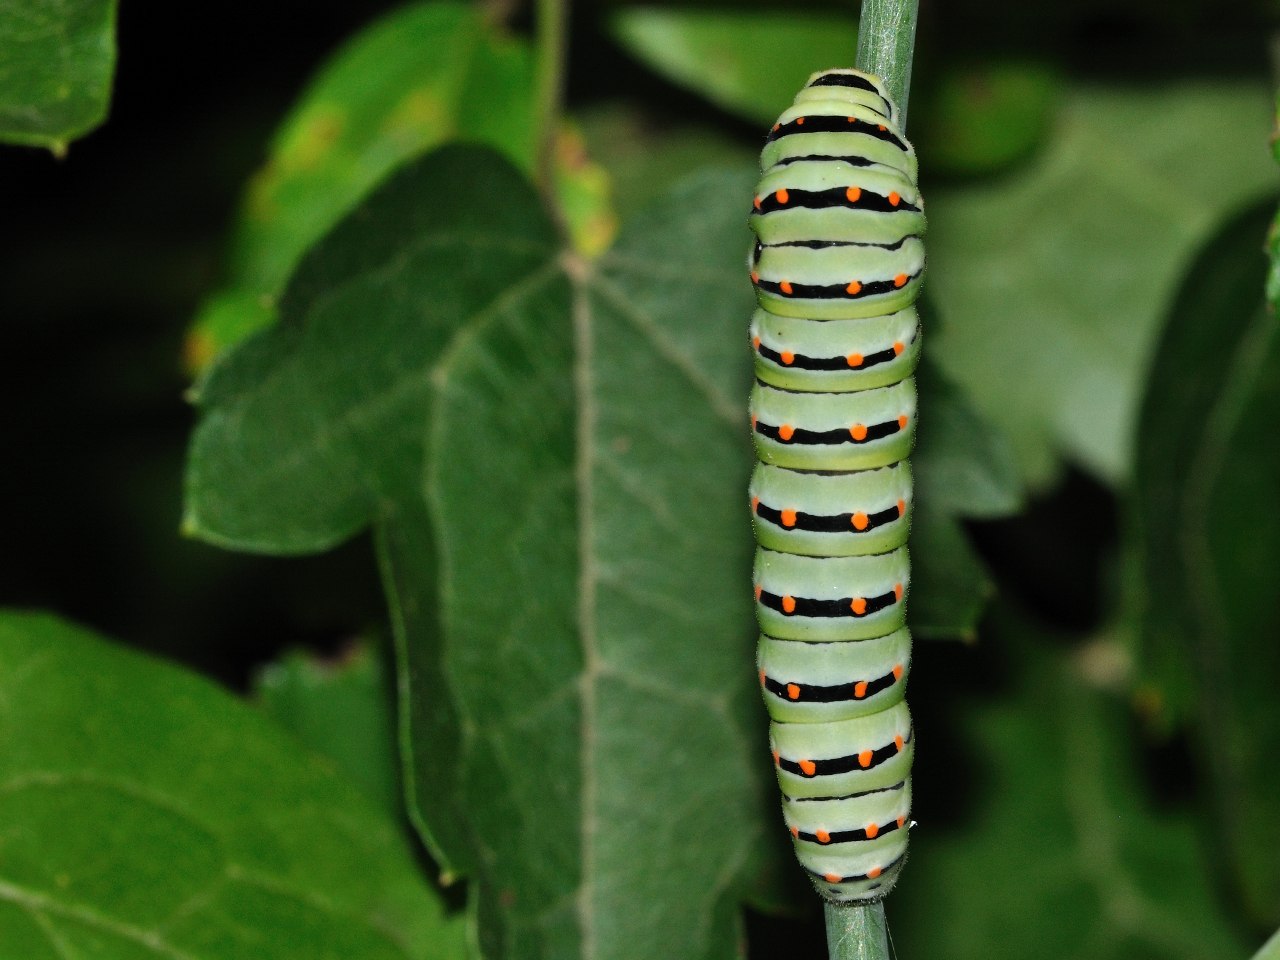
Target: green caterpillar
837 265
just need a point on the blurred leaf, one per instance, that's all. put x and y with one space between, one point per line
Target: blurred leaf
1053 280
57 59
342 710
950 585
1058 855
594 576
1207 479
980 118
751 63
1269 950
421 75
645 153
149 814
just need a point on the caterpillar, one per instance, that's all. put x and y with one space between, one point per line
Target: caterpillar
837 266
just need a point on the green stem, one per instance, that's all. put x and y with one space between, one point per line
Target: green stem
886 39
857 931
886 42
551 29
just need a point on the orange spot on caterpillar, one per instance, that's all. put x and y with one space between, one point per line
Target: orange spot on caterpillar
788 518
808 767
859 521
759 590
871 830
788 357
902 507
900 280
865 758
858 432
901 821
860 689
897 591
786 431
777 126
853 289
854 359
873 873
898 347
795 831
823 836
902 422
832 877
755 343
756 202
793 691
850 119
881 127
897 742
753 421
858 605
782 195
785 287
755 504
762 678
777 757
897 671
799 121
755 277
894 199
789 604
852 194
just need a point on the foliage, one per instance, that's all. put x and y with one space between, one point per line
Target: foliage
542 427
57 58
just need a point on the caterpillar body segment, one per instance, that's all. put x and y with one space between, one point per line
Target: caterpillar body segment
837 267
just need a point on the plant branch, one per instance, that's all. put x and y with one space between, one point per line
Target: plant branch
551 30
857 931
886 42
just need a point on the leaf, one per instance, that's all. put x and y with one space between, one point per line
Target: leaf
376 104
1052 281
1054 851
587 627
751 63
342 710
1269 950
981 118
149 814
57 59
1207 479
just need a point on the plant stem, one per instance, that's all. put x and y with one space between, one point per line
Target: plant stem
857 931
551 28
886 42
886 39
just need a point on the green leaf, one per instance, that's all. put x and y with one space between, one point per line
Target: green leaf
1053 280
57 59
750 63
342 710
424 74
588 625
1207 479
1269 950
981 118
1054 852
149 814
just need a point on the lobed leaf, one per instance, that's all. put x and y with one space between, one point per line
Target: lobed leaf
149 814
57 60
1053 280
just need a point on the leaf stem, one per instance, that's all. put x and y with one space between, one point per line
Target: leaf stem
886 43
857 931
552 20
886 40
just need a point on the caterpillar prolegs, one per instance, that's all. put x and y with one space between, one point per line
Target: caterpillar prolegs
836 266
